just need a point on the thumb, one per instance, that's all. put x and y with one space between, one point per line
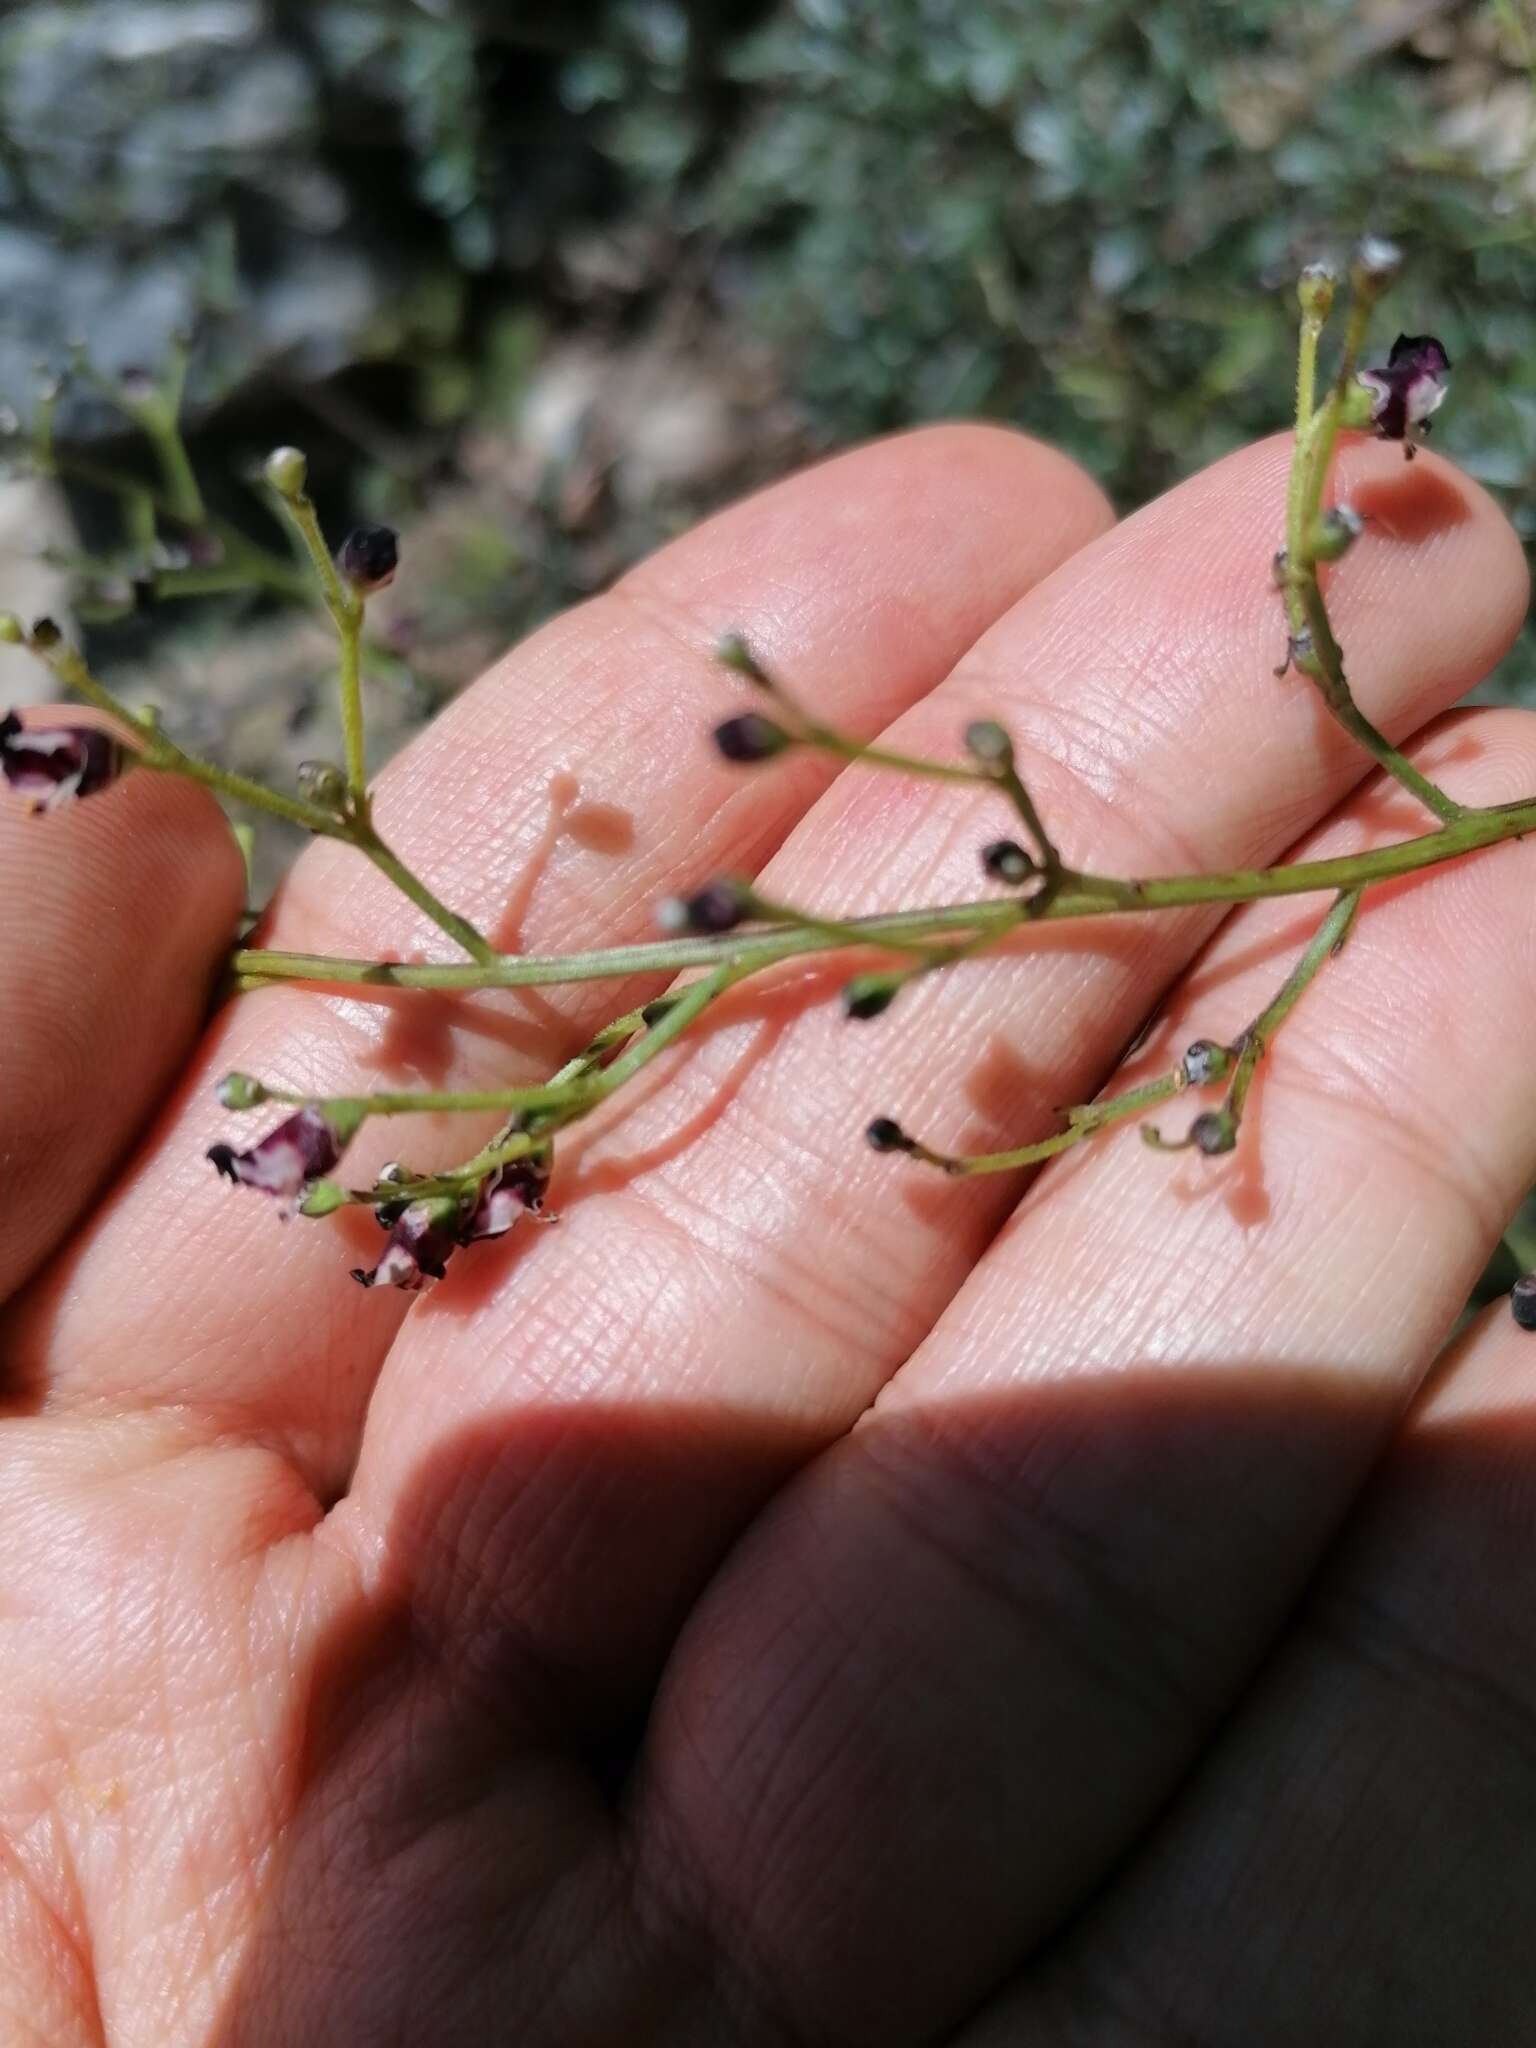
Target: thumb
114 911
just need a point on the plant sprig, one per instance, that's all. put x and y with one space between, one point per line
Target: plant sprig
726 931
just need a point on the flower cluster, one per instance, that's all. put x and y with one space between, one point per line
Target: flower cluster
292 1161
424 1234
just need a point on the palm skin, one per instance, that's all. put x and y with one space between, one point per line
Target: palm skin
796 1601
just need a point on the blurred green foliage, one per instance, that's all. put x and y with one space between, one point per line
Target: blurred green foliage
1086 216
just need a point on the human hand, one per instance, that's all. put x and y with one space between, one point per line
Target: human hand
796 1599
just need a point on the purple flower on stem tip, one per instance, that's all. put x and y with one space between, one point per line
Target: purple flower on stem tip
50 765
1408 387
302 1148
423 1236
503 1196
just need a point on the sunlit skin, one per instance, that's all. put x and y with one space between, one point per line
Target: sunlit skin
796 1598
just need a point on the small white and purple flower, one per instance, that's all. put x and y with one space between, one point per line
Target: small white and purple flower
423 1236
1407 388
508 1192
303 1147
51 765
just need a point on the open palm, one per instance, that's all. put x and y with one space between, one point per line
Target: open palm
797 1600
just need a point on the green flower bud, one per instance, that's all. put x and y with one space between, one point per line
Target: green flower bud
286 471
1335 533
986 740
1315 289
323 1199
241 1091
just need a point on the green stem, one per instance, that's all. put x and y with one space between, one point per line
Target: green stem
1307 614
575 1091
156 751
459 929
346 610
1085 1123
1087 895
1326 941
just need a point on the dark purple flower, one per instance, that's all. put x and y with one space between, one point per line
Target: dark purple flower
423 1237
50 765
302 1148
505 1194
1408 387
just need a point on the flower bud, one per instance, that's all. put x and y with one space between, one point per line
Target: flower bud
241 1091
286 471
1213 1132
868 995
12 631
986 740
45 634
1204 1061
750 738
886 1135
1335 533
1522 1301
1314 291
322 783
323 1198
717 907
1376 264
1006 861
368 558
734 653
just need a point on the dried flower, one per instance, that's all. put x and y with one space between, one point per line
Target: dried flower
302 1148
1408 387
50 765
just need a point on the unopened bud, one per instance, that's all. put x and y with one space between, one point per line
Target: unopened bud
286 471
1377 262
886 1135
1006 861
1522 1302
12 631
241 1091
718 907
1213 1132
1315 289
867 995
986 740
322 783
1335 533
1205 1061
323 1198
369 557
734 653
750 738
45 634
